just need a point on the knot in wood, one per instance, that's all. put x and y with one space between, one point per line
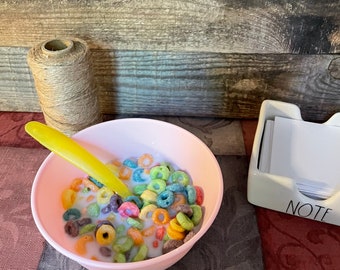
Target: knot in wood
334 68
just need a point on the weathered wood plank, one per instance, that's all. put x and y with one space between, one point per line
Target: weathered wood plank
190 84
236 26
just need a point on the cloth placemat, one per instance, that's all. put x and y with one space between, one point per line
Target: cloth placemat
233 241
21 244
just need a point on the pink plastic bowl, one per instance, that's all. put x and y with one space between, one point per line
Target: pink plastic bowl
121 139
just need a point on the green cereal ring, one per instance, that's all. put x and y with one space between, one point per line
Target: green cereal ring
197 214
184 221
134 223
103 195
191 191
141 253
180 177
87 228
119 258
123 244
146 211
71 214
149 196
138 189
94 181
135 200
120 229
169 166
160 172
93 210
157 185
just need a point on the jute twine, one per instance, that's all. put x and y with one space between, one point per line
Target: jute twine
63 78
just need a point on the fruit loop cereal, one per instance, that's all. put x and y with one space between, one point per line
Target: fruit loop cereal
164 212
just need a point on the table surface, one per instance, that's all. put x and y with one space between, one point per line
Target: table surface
243 236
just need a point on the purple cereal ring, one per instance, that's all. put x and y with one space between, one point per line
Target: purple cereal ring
128 209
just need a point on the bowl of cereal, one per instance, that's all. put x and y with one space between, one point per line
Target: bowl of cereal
176 190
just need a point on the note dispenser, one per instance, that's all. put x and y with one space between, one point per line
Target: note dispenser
295 165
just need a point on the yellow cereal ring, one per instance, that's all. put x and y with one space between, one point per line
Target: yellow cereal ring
176 226
136 236
173 234
147 210
68 197
103 195
105 233
80 246
149 196
160 216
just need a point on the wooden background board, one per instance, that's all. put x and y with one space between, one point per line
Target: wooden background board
196 58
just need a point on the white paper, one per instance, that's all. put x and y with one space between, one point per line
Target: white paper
307 152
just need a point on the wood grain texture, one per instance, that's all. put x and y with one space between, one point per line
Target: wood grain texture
267 26
189 83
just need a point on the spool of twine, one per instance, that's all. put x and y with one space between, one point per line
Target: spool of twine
63 78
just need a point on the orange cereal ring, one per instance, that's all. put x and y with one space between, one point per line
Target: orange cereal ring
68 196
76 183
124 173
149 231
80 246
89 184
145 161
136 236
173 234
160 216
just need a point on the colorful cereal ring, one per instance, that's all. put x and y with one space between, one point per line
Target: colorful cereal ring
68 197
178 200
93 209
134 223
136 236
180 177
149 231
128 209
94 181
89 184
124 173
160 216
145 160
160 233
197 214
173 234
138 175
147 210
76 184
134 199
123 244
149 196
80 245
141 253
138 189
119 258
184 221
115 202
105 233
71 214
130 163
176 187
157 185
191 191
160 172
103 195
199 195
71 228
165 199
175 225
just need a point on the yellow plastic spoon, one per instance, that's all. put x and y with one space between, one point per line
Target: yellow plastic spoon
71 151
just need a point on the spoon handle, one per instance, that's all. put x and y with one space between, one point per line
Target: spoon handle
71 151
